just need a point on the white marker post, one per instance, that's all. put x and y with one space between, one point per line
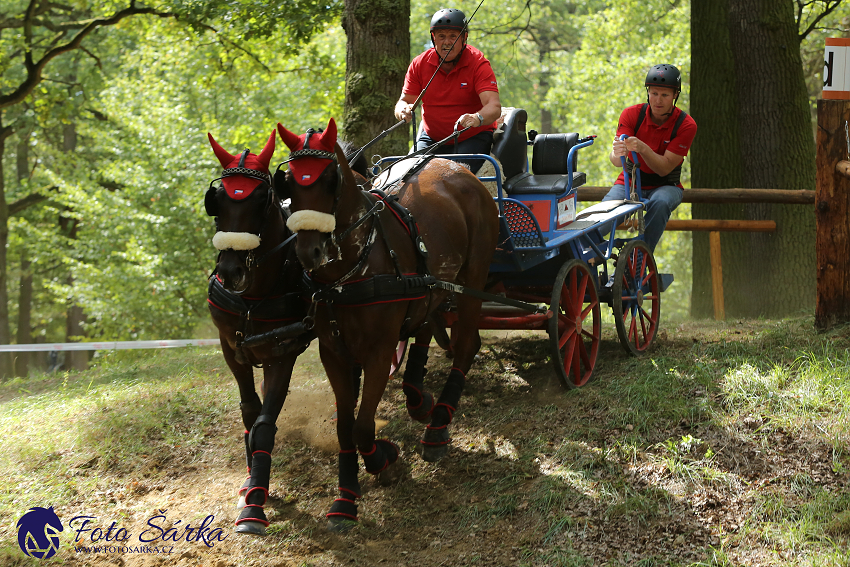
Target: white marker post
836 69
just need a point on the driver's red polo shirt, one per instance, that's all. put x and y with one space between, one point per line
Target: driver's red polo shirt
657 137
450 95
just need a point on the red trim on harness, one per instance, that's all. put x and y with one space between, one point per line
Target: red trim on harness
459 370
261 451
372 452
348 450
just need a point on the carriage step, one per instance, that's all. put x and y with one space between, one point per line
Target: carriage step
665 280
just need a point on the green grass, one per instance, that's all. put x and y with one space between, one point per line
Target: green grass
728 442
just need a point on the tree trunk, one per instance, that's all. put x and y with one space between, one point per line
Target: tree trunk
750 103
377 55
74 359
24 334
5 332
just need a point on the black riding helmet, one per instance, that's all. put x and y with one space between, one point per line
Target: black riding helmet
664 75
448 18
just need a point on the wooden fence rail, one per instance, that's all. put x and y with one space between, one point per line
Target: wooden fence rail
715 227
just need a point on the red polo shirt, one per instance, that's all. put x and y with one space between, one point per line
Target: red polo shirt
450 94
657 137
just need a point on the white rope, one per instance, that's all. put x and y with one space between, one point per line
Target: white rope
111 345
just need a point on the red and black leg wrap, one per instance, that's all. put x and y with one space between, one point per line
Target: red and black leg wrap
247 483
383 454
345 507
261 441
419 402
437 432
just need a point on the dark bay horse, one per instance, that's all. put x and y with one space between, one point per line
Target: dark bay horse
255 304
370 266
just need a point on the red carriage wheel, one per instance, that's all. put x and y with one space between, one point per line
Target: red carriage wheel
575 328
636 297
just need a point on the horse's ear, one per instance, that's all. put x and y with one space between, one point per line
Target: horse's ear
291 140
344 168
330 131
281 188
266 155
223 155
210 202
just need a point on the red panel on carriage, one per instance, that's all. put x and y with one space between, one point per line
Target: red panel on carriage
540 210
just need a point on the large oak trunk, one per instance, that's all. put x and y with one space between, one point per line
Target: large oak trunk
377 55
750 103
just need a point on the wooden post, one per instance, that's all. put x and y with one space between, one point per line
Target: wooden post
832 212
716 276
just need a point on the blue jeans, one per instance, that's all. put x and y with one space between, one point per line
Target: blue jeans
662 201
481 143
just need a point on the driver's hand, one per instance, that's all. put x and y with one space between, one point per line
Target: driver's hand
403 111
467 121
619 148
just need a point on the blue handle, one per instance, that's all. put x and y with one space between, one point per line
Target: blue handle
626 170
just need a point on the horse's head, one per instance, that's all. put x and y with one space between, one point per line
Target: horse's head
320 185
244 204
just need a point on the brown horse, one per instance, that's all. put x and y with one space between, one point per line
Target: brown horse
372 270
255 304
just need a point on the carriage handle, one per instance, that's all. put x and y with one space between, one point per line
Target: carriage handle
626 170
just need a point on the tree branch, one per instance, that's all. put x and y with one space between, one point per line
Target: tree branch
35 69
829 7
30 200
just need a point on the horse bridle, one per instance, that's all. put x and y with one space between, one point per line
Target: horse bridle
250 258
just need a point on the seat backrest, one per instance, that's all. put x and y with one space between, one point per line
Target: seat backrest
510 143
550 151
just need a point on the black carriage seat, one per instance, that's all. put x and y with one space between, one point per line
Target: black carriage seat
510 143
549 167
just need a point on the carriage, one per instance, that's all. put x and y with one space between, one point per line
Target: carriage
550 270
524 250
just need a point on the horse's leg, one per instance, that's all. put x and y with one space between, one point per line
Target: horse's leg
419 402
378 454
435 442
249 403
343 512
277 375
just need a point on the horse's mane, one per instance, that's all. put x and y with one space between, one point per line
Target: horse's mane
360 165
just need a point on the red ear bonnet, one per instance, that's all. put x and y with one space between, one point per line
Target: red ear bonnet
306 169
240 186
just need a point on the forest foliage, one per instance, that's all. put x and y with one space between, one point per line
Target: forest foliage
142 94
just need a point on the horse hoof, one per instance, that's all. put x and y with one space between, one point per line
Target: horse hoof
241 502
393 473
433 453
251 528
340 525
435 443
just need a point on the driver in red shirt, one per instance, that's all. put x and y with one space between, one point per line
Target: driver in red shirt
661 135
464 92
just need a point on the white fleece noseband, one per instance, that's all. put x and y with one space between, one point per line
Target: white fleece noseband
311 220
235 241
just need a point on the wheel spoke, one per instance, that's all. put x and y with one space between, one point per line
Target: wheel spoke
576 360
568 334
568 354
